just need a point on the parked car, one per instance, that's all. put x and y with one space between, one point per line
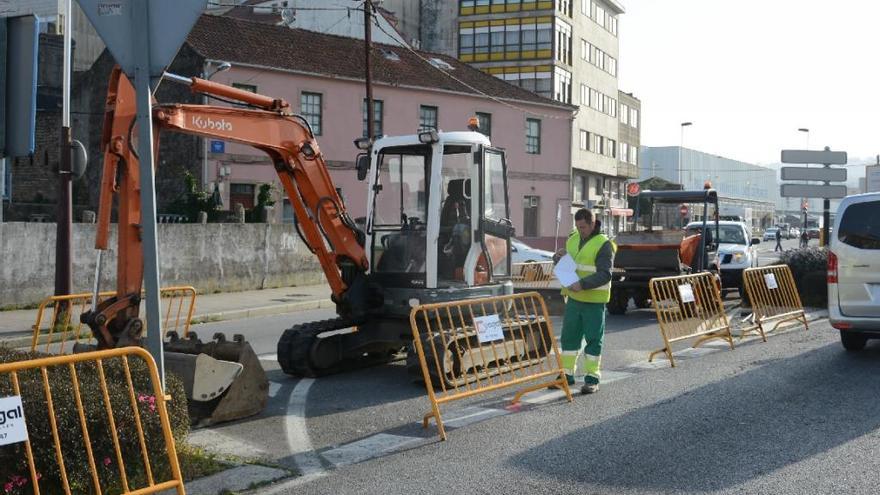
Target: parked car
736 252
523 253
770 234
795 233
813 232
854 271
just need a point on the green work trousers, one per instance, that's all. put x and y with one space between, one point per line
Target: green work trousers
583 324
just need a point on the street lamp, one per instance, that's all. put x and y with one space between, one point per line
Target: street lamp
221 67
680 145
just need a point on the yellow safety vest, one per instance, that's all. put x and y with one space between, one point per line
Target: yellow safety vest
585 258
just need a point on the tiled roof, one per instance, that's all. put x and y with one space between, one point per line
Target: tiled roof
251 43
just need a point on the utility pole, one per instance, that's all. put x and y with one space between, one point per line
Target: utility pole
63 233
368 76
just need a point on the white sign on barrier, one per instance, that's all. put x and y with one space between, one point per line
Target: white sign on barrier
488 328
686 291
12 426
770 280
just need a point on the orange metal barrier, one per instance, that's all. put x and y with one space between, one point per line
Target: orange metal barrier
689 306
532 275
774 298
466 348
63 443
64 326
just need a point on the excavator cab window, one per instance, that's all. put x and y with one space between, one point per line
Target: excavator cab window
454 239
400 212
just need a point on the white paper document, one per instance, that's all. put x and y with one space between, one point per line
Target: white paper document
489 328
770 280
566 271
686 291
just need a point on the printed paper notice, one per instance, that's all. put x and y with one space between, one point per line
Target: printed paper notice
770 280
12 427
488 328
686 291
566 271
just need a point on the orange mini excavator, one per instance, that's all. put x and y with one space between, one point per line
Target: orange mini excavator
437 226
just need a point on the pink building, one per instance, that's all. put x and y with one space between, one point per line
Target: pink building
321 76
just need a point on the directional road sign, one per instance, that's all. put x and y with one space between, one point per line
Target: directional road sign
814 174
826 157
813 191
170 21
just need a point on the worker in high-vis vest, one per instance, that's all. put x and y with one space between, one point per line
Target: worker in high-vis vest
584 321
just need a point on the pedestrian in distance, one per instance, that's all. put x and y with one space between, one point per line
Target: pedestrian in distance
584 319
778 241
805 239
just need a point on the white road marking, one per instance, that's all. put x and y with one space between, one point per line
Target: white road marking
274 388
268 357
697 351
544 397
613 376
376 445
298 441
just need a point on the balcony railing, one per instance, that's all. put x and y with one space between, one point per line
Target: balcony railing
627 170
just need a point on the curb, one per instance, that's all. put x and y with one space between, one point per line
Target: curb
23 338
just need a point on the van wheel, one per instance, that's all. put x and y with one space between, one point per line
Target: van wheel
852 341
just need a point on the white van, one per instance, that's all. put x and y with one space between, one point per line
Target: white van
854 270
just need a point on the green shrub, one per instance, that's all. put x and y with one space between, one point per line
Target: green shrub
14 472
809 269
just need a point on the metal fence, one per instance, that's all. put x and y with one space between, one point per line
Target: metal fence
94 422
774 298
471 347
533 275
689 306
64 326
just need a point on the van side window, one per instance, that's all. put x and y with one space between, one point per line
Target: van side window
860 225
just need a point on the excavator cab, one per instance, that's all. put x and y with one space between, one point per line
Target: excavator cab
438 216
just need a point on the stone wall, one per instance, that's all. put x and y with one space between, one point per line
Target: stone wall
210 257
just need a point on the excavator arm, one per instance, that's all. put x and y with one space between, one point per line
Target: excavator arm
320 214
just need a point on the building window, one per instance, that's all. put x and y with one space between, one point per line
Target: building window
563 85
624 149
427 118
634 118
563 43
246 87
287 213
634 155
624 113
584 139
585 95
484 120
377 117
600 16
530 216
533 136
600 145
540 81
612 148
6 193
564 7
612 66
585 7
310 108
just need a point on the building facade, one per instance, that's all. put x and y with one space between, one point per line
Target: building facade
412 90
566 50
745 190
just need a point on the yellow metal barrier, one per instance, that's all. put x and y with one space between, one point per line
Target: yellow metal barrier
774 298
64 325
466 348
62 430
689 306
532 275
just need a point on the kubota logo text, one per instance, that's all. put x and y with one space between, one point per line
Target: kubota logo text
209 123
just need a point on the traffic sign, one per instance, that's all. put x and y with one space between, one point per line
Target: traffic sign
170 21
633 189
813 191
683 209
825 157
815 174
872 178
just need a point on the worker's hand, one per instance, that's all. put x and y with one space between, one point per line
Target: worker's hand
575 287
558 255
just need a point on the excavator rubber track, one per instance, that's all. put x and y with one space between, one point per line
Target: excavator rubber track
304 351
456 368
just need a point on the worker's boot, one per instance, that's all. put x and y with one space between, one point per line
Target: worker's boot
590 388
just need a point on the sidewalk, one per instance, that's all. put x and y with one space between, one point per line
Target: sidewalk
209 307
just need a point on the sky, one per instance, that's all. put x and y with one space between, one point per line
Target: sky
749 73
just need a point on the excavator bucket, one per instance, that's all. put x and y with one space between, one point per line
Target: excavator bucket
224 380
